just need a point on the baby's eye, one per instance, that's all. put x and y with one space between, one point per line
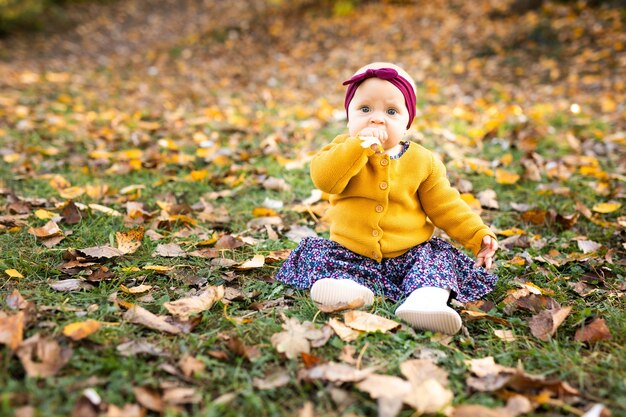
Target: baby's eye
392 112
365 109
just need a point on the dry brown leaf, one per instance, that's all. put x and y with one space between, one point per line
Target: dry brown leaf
385 386
129 410
181 395
588 246
185 307
169 250
593 331
71 213
42 357
70 285
48 230
128 242
338 372
228 242
12 329
140 315
367 322
345 333
272 381
295 338
149 398
15 301
81 329
505 335
135 347
546 323
97 252
352 305
257 261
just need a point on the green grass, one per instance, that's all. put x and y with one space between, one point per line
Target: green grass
596 370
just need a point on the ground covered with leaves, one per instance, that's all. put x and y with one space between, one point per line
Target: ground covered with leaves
154 175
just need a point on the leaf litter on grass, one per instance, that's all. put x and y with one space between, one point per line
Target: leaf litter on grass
160 139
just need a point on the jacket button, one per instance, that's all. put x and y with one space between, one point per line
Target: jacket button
384 162
379 209
383 185
374 232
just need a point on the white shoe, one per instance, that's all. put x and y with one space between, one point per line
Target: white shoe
330 291
426 309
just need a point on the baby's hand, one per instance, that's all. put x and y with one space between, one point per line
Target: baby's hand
488 249
373 138
377 133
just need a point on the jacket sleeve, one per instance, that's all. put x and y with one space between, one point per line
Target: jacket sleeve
445 208
336 163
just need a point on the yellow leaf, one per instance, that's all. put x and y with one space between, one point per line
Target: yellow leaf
506 159
58 182
210 241
511 232
81 329
263 212
158 268
129 154
606 207
471 200
506 177
13 273
198 175
71 193
367 322
104 209
129 242
256 262
10 158
44 214
135 290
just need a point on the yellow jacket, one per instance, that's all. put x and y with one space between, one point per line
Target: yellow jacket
382 207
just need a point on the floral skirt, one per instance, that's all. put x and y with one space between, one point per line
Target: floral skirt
434 263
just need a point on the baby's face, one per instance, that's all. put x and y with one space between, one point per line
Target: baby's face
378 104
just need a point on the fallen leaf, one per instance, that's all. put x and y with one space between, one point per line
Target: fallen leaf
128 242
71 213
12 329
190 365
135 290
506 177
337 372
169 250
505 335
351 305
42 357
105 210
545 324
149 398
488 199
272 381
367 322
228 242
129 410
13 273
256 262
385 386
47 230
345 333
606 207
588 246
140 315
185 307
70 285
181 395
593 331
15 301
97 252
135 347
295 338
80 330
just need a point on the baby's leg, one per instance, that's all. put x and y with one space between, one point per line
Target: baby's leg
426 308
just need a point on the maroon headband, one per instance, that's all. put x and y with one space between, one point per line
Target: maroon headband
387 74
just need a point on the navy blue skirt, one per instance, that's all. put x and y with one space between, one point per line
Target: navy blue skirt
434 263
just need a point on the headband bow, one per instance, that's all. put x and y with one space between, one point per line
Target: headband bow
387 74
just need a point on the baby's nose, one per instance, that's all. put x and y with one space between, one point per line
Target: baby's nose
377 118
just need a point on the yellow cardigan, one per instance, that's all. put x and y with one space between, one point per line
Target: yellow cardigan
382 207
